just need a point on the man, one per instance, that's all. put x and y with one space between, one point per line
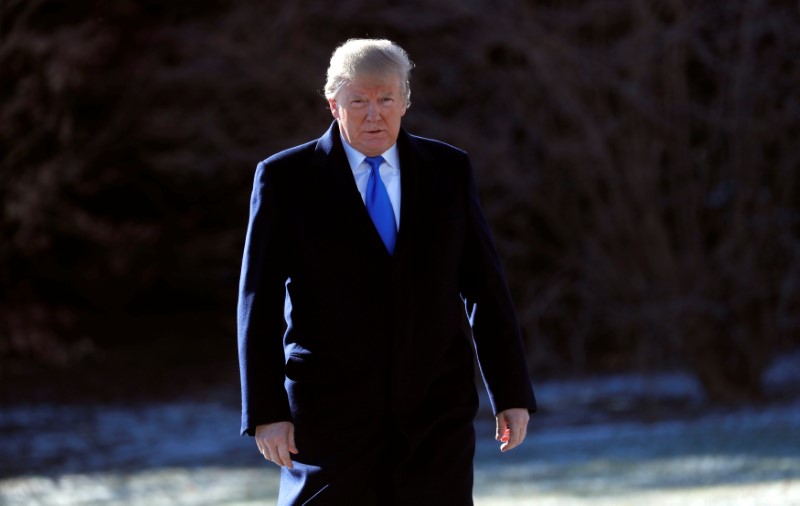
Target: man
366 244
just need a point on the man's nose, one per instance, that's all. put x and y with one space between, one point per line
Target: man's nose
373 112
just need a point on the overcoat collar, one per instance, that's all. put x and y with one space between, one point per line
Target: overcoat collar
329 148
330 157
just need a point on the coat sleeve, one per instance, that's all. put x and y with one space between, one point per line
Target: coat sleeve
260 322
498 341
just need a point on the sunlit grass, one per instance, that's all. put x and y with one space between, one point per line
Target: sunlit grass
172 486
687 480
123 457
762 494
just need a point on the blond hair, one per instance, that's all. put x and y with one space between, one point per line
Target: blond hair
360 57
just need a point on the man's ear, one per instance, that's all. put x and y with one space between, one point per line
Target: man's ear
334 108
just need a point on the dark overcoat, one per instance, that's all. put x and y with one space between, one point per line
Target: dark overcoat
365 352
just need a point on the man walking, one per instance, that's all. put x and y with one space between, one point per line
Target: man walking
365 245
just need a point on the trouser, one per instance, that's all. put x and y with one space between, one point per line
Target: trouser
373 459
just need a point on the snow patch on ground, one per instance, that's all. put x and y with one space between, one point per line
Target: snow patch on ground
622 440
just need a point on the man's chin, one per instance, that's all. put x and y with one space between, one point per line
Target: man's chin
375 148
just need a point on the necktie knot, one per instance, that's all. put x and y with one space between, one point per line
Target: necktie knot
374 162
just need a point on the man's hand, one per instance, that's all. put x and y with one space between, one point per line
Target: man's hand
276 441
512 426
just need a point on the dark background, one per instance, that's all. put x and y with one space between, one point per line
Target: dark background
637 159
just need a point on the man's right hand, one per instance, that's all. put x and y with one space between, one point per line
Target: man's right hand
276 442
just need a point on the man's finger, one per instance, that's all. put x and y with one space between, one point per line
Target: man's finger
501 427
268 455
283 456
510 444
515 437
509 441
292 446
263 449
273 454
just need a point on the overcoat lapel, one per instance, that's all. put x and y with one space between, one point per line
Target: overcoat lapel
414 196
336 180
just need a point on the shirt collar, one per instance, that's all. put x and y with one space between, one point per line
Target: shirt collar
356 158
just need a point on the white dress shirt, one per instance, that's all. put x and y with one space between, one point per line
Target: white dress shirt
389 170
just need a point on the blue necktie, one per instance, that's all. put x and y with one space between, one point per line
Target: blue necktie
378 204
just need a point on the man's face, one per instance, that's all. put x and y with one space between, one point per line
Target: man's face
369 111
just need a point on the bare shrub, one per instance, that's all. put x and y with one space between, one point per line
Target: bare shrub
637 158
650 208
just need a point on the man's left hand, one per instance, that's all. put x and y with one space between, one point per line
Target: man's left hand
512 426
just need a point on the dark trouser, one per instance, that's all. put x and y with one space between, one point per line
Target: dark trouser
374 461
